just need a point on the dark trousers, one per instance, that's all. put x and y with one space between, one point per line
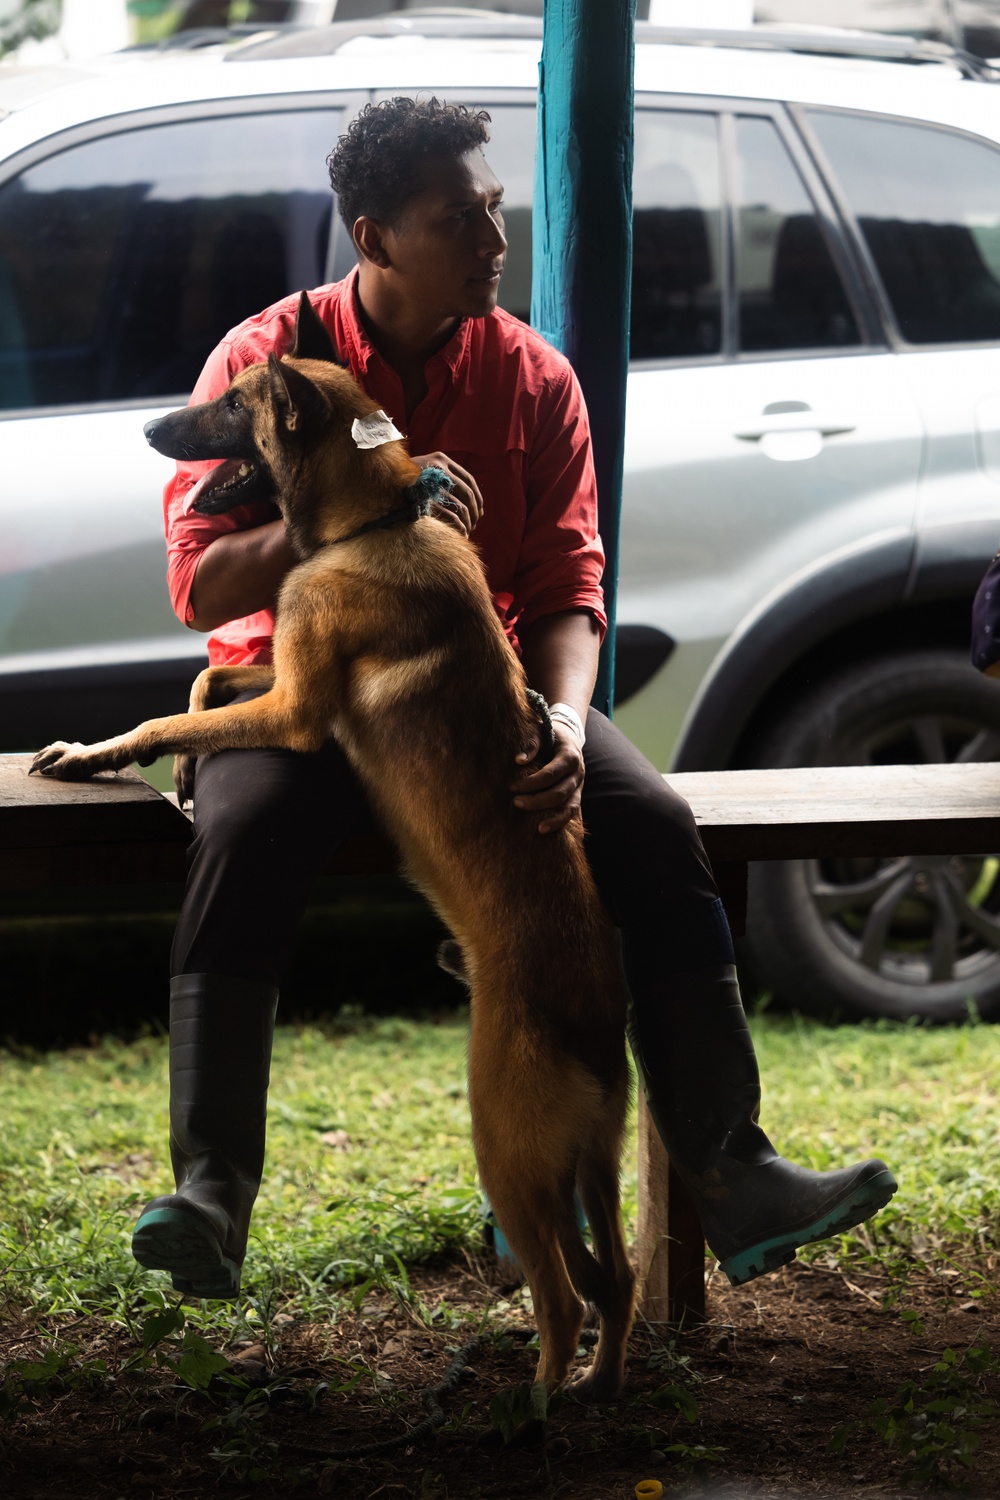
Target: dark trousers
268 821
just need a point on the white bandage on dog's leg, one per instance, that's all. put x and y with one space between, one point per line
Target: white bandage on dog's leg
565 714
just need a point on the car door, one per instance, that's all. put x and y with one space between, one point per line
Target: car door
126 252
924 202
768 425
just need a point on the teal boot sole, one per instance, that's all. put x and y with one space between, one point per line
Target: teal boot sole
866 1199
178 1241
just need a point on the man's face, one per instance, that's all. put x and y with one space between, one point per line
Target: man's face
448 249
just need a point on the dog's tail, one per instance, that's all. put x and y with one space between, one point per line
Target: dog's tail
451 959
582 1266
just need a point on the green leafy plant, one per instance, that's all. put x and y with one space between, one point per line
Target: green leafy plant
677 1393
692 1456
667 1359
197 1363
58 1370
933 1424
676 1398
513 1410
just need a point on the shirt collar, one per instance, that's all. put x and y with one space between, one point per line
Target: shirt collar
361 351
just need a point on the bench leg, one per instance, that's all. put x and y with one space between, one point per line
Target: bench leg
671 1247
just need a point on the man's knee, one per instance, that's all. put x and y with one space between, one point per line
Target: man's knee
657 819
247 800
652 855
643 841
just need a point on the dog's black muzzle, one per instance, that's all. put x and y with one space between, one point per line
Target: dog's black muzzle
197 433
200 432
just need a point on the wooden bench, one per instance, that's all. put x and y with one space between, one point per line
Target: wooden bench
820 812
115 830
118 830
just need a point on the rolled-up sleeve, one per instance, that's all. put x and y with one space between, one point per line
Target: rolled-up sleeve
561 559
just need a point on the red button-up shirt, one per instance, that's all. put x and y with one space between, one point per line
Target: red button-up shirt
500 401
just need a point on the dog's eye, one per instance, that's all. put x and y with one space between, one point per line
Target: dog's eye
235 404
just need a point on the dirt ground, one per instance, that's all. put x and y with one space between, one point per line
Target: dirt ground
744 1405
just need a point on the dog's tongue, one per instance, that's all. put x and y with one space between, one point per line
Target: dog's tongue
219 477
192 496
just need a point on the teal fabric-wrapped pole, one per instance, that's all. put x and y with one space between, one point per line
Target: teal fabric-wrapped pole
581 274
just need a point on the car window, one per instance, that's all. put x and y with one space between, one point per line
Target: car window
790 295
677 236
124 260
928 204
511 154
676 278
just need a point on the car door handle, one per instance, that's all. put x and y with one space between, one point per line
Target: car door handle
828 424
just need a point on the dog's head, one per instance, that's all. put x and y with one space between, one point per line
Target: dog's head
283 425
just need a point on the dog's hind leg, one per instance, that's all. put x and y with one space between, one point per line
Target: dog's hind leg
612 1289
532 1104
529 1219
216 686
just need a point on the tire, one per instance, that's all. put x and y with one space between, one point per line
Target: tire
904 939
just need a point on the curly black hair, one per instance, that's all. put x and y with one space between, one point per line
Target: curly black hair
375 167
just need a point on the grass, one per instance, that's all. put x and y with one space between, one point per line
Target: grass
368 1157
370 1166
925 1100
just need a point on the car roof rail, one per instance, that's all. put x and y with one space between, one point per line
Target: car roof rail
193 37
823 41
323 41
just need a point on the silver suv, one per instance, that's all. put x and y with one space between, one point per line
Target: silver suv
812 484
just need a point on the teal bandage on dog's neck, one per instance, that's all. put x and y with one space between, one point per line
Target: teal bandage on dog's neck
428 488
433 485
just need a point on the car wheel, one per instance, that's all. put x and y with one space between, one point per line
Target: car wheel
903 938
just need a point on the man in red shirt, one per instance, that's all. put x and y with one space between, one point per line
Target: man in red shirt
480 395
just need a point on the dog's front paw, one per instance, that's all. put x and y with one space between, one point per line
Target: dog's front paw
63 761
184 778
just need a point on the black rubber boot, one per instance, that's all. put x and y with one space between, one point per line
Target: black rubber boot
695 1057
221 1031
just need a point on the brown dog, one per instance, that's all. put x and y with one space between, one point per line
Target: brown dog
386 639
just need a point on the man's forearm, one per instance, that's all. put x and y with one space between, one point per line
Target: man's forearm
239 574
560 657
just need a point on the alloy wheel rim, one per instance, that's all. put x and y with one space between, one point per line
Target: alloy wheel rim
922 920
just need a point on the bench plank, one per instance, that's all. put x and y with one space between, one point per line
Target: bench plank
38 813
114 830
828 811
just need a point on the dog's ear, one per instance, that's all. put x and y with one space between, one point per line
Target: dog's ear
300 405
311 338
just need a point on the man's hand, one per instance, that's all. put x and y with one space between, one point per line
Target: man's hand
554 789
465 503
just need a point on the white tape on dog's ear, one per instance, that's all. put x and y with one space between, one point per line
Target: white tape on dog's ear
373 431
